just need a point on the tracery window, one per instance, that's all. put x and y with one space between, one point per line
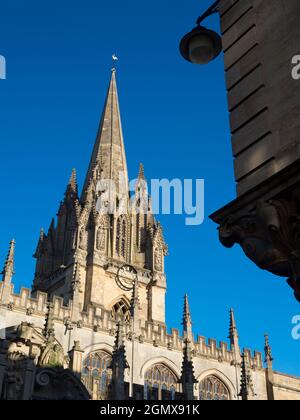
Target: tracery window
121 309
160 383
96 374
121 237
211 388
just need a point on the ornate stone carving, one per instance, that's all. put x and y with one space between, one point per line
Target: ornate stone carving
269 234
68 324
158 259
52 355
29 311
11 306
100 240
43 378
96 328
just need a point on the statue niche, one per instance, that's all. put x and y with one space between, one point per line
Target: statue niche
100 239
52 355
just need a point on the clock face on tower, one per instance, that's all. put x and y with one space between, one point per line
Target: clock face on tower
126 277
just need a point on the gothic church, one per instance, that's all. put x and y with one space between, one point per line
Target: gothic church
93 325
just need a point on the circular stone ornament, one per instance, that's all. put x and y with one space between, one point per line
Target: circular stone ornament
126 277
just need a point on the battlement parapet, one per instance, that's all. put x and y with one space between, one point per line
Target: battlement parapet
100 319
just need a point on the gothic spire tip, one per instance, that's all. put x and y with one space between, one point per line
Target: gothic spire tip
114 60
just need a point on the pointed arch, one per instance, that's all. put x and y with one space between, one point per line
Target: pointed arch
120 307
160 360
160 380
215 373
98 346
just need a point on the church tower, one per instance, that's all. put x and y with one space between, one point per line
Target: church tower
99 234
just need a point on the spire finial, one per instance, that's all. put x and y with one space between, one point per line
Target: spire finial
9 264
247 389
114 60
234 338
141 172
73 179
268 351
42 234
232 327
119 364
244 379
187 371
72 187
187 319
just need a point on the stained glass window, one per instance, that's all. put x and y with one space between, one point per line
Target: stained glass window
211 388
96 374
160 383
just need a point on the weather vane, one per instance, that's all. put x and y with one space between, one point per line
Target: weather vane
114 60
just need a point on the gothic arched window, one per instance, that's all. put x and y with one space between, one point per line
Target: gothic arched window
160 383
211 388
96 374
121 237
121 309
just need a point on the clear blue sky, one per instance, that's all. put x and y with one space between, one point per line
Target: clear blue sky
175 121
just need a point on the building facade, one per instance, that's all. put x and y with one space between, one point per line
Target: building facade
260 43
93 325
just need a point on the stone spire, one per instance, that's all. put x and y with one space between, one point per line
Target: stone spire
8 269
246 390
142 200
234 338
49 331
268 353
232 327
119 364
108 158
141 172
187 320
269 370
187 371
72 187
7 274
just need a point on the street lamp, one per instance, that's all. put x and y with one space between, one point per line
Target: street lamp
201 45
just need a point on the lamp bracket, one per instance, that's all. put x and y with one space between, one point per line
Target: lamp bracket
214 8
